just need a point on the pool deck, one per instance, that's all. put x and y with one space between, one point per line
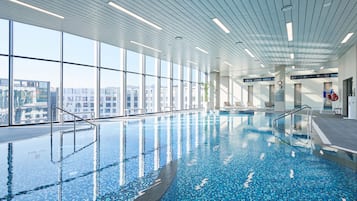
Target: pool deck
337 132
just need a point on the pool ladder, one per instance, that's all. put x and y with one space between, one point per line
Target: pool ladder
292 114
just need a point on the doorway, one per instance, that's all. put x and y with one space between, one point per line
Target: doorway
327 102
347 91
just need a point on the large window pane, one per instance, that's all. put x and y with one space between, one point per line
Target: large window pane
164 68
186 92
194 101
78 50
176 95
111 56
4 91
110 93
150 65
133 96
185 73
4 36
165 94
202 95
32 41
176 71
150 94
133 62
78 90
203 77
35 89
194 75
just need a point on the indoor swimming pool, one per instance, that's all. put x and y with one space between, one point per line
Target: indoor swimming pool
216 157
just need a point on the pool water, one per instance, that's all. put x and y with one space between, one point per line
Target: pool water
226 157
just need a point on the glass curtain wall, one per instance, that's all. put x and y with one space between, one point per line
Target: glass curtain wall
133 83
111 75
4 72
151 87
36 81
176 88
79 76
37 70
165 104
194 88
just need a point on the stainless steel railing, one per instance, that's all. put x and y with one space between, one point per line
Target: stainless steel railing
292 113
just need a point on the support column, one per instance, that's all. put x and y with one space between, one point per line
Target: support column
279 88
214 89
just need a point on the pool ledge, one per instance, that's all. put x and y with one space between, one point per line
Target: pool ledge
333 145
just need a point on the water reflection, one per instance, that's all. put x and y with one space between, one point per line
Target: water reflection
122 160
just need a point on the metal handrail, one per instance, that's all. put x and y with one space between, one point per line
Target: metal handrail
76 116
292 112
303 107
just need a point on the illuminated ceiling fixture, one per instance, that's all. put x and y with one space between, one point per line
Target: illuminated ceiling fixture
133 15
262 65
202 50
289 30
227 63
292 56
321 67
192 62
347 37
142 45
250 54
293 67
219 23
36 8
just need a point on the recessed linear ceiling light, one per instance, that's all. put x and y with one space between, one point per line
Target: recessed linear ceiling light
219 23
321 67
289 30
202 50
262 65
192 62
227 63
292 56
133 15
293 67
142 45
36 8
250 54
347 37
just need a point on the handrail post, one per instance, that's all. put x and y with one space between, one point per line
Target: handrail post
291 123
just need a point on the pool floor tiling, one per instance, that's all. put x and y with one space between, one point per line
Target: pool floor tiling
192 156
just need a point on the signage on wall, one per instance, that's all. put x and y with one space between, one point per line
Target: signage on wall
258 79
323 75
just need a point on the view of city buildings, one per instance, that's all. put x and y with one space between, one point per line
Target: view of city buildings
130 83
33 101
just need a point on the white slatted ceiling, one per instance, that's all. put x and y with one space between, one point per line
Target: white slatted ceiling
259 24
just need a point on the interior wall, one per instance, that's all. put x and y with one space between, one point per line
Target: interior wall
348 69
311 91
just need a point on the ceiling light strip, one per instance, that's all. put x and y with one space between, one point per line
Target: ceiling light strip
221 25
133 15
192 62
36 8
250 54
202 50
227 63
142 45
262 65
347 37
292 56
289 30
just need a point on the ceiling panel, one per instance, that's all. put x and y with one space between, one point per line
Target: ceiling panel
257 25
